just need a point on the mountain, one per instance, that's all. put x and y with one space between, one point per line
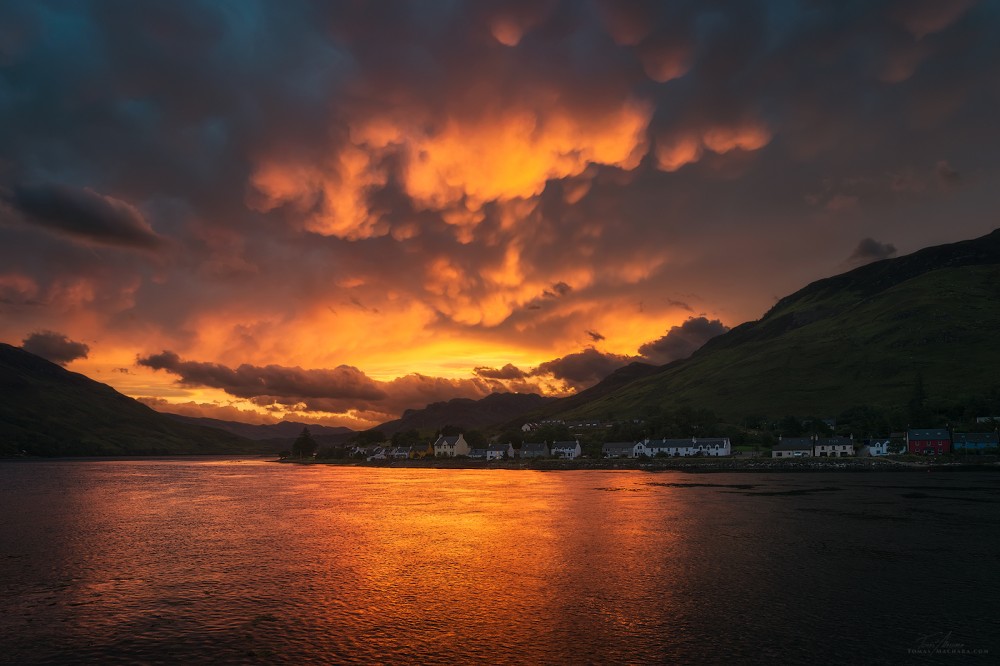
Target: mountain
46 410
860 338
283 430
494 409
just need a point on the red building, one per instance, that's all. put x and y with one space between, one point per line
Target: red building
928 442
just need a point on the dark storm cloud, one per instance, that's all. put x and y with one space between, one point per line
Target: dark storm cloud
248 381
869 250
558 289
340 389
582 368
84 214
508 371
55 347
682 341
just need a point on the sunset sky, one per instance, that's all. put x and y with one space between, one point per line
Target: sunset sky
334 211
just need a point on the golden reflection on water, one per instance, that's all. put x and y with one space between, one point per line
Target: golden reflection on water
200 561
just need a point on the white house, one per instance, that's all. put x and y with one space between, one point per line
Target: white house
623 449
713 446
568 450
704 446
793 447
449 447
876 447
833 447
534 450
496 451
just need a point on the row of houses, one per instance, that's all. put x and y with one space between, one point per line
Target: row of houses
455 445
921 442
695 446
813 447
938 441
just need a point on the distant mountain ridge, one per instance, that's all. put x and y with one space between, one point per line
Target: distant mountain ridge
861 337
494 409
258 432
46 410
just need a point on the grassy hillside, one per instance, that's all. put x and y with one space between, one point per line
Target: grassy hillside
46 410
857 338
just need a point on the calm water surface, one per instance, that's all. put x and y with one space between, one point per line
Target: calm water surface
226 561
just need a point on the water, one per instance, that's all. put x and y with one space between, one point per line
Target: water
225 561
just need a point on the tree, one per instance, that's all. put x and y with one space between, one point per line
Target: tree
790 427
304 445
368 437
475 439
406 438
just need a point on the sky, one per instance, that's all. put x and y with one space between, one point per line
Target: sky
335 211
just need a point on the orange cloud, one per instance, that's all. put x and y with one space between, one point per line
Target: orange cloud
673 151
664 61
454 167
741 137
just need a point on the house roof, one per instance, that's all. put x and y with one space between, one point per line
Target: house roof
672 443
794 444
497 447
618 445
451 441
712 441
970 437
533 446
925 434
565 445
835 441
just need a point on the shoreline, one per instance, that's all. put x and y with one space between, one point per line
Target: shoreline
696 466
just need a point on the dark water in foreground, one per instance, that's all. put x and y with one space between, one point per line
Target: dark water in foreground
217 561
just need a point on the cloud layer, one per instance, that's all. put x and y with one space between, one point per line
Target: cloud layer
424 198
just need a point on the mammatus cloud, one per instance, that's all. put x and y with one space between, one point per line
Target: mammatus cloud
869 250
55 347
682 341
84 214
676 149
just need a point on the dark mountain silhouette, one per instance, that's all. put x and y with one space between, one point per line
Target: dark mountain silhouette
46 410
852 339
494 409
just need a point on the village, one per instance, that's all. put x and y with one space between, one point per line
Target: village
917 442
